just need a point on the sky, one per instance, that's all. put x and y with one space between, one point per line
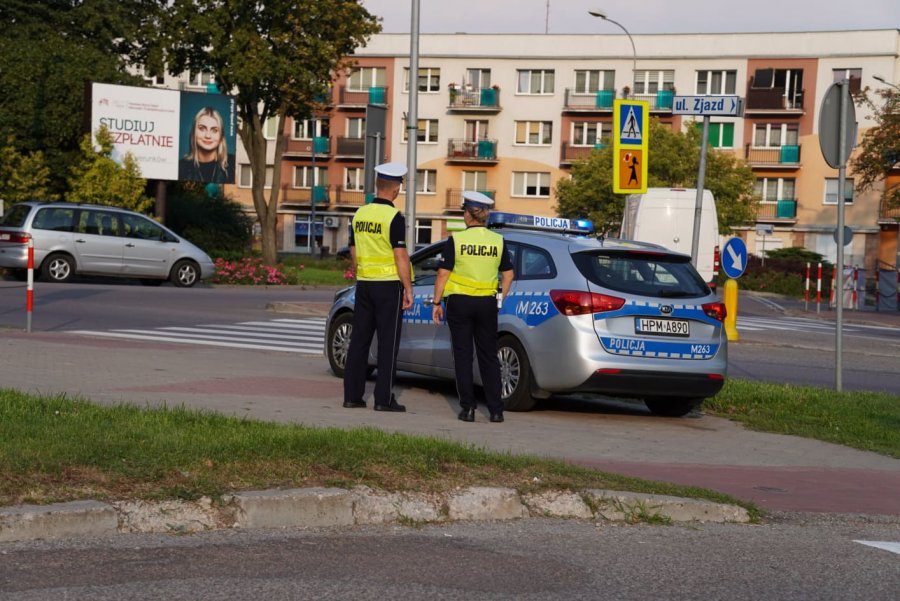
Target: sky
637 16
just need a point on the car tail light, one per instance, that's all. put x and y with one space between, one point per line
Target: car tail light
715 310
577 302
715 376
16 237
715 277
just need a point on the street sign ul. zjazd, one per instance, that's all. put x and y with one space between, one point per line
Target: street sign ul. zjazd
630 137
723 106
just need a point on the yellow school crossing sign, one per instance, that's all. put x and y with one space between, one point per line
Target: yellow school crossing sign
630 134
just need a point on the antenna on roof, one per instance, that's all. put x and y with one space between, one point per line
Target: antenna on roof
547 19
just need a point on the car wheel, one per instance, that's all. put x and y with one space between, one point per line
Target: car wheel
515 375
185 274
338 343
58 268
671 406
151 281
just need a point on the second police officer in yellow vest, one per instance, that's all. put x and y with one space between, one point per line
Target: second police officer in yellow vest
383 290
467 283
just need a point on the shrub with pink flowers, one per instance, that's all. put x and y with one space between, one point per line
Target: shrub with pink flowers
250 271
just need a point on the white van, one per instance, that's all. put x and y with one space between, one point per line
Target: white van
665 216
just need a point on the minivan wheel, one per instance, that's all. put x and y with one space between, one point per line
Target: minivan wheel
185 274
338 343
671 406
515 375
58 268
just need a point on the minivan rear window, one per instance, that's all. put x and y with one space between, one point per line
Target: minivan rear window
16 216
58 219
654 274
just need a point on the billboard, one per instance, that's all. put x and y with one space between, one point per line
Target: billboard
173 135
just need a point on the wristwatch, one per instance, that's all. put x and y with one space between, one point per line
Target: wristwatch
435 301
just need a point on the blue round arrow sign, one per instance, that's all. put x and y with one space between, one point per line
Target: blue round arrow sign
734 258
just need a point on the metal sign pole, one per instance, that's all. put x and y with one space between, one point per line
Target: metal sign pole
842 171
412 126
312 191
698 207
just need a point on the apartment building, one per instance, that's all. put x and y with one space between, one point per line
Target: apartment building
508 114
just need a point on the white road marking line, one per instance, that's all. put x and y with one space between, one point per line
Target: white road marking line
255 334
195 341
164 331
886 545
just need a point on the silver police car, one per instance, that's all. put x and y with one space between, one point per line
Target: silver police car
584 315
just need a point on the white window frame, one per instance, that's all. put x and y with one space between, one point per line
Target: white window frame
779 184
363 78
722 125
426 182
522 180
474 180
543 130
432 80
651 81
542 75
270 128
422 226
301 129
358 180
603 130
360 124
605 80
726 87
426 128
831 198
483 77
320 177
776 135
200 79
246 176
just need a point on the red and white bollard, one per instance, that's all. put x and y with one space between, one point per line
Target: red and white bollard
818 287
834 282
854 295
806 290
29 295
877 289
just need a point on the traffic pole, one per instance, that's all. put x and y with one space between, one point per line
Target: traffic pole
877 289
29 294
730 297
854 295
833 286
806 290
818 287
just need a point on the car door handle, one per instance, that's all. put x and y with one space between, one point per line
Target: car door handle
129 245
80 240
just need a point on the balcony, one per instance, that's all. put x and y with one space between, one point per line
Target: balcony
302 196
455 198
358 99
600 101
570 152
477 100
660 102
781 157
888 212
460 150
780 211
773 101
304 148
348 198
350 148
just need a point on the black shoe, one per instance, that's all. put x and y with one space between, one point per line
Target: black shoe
392 406
354 404
467 415
496 418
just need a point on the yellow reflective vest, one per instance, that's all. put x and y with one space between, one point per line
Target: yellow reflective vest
371 233
476 263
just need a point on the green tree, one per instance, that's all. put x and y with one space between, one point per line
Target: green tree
278 58
23 176
98 179
879 150
673 161
47 51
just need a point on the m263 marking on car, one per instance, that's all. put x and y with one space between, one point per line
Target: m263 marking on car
531 307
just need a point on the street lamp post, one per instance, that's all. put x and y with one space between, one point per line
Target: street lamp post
602 15
886 82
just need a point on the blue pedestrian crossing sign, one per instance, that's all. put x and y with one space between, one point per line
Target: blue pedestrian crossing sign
630 137
734 258
631 124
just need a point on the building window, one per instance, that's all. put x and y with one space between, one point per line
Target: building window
531 184
476 129
721 135
426 182
304 177
246 176
716 82
854 76
423 231
773 189
478 79
354 179
429 80
831 190
651 82
356 128
774 135
587 133
592 81
475 180
363 78
270 128
305 129
201 79
426 131
535 81
534 133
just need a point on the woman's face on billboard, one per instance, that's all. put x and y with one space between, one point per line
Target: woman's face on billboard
208 134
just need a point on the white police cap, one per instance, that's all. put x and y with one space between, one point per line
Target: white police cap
391 171
477 200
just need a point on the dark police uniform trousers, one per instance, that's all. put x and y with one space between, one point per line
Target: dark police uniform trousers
475 317
378 308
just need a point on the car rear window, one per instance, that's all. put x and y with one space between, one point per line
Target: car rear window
58 219
16 216
653 274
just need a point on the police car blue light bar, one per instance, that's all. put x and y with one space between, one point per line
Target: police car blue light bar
537 222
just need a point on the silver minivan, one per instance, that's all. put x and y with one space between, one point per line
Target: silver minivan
91 239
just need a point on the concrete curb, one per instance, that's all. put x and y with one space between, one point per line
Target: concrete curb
335 507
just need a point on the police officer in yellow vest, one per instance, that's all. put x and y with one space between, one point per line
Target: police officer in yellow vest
467 282
383 290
